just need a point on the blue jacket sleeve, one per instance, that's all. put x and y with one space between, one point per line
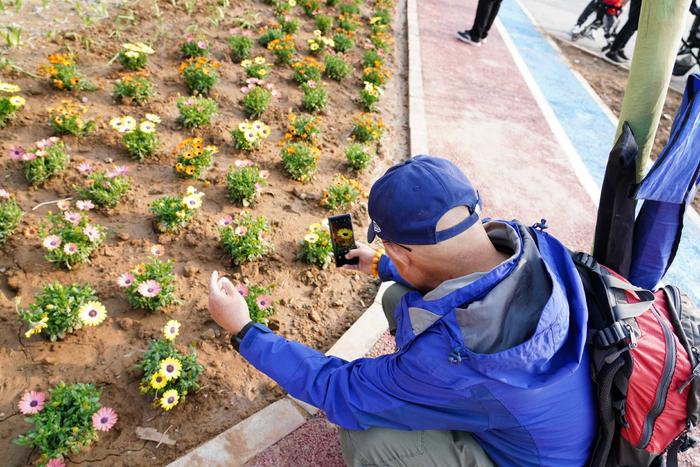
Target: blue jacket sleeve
380 392
387 271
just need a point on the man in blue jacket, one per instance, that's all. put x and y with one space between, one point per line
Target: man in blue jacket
489 318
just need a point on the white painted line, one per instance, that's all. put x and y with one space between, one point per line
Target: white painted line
243 441
572 155
416 101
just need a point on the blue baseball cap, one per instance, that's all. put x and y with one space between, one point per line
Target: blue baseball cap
407 202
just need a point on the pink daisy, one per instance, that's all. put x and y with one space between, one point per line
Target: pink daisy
149 289
245 89
85 168
32 402
242 289
84 204
189 101
252 80
311 83
264 174
92 233
258 187
70 248
104 419
63 204
121 170
72 217
57 462
275 93
125 280
52 242
4 194
53 140
264 301
243 163
157 250
240 230
224 221
30 156
202 44
269 86
44 143
16 153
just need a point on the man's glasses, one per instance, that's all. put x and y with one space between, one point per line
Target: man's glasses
385 242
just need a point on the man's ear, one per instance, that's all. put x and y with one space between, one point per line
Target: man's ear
398 255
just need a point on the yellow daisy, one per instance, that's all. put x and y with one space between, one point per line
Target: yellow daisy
191 190
17 101
8 87
311 238
147 127
37 327
170 368
259 60
92 313
158 381
152 118
171 329
170 399
128 123
192 202
315 227
246 63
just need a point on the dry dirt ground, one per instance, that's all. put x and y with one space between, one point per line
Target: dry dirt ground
314 306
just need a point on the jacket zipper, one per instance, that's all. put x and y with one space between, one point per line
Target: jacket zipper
694 354
664 384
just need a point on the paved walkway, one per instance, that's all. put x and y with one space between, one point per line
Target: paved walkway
527 131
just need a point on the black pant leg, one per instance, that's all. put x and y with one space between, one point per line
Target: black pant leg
483 10
629 28
590 8
495 6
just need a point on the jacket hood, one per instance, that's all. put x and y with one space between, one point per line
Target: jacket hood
522 323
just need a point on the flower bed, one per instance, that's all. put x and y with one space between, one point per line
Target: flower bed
104 246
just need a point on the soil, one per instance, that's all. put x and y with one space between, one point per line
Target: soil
314 306
609 82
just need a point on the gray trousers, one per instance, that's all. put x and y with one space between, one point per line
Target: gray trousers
383 447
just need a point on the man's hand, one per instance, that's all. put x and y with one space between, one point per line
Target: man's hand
226 306
366 255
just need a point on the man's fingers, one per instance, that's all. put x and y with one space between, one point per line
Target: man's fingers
227 286
213 282
353 253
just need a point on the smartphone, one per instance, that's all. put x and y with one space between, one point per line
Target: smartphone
342 238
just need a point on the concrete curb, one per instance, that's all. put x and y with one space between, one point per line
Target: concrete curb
250 437
416 102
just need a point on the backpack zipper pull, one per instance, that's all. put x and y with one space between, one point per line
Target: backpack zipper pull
633 344
696 372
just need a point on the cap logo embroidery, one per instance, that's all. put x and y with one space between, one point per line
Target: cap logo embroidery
376 228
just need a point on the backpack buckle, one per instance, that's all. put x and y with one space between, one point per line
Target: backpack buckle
611 335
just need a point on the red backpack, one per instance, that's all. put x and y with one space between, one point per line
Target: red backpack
645 357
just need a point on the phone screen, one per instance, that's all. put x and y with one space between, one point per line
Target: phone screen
342 238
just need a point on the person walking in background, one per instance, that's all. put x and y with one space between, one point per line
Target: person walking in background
617 49
486 12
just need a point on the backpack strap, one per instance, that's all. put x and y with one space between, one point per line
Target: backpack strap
621 309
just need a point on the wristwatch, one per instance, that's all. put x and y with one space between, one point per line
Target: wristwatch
238 338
